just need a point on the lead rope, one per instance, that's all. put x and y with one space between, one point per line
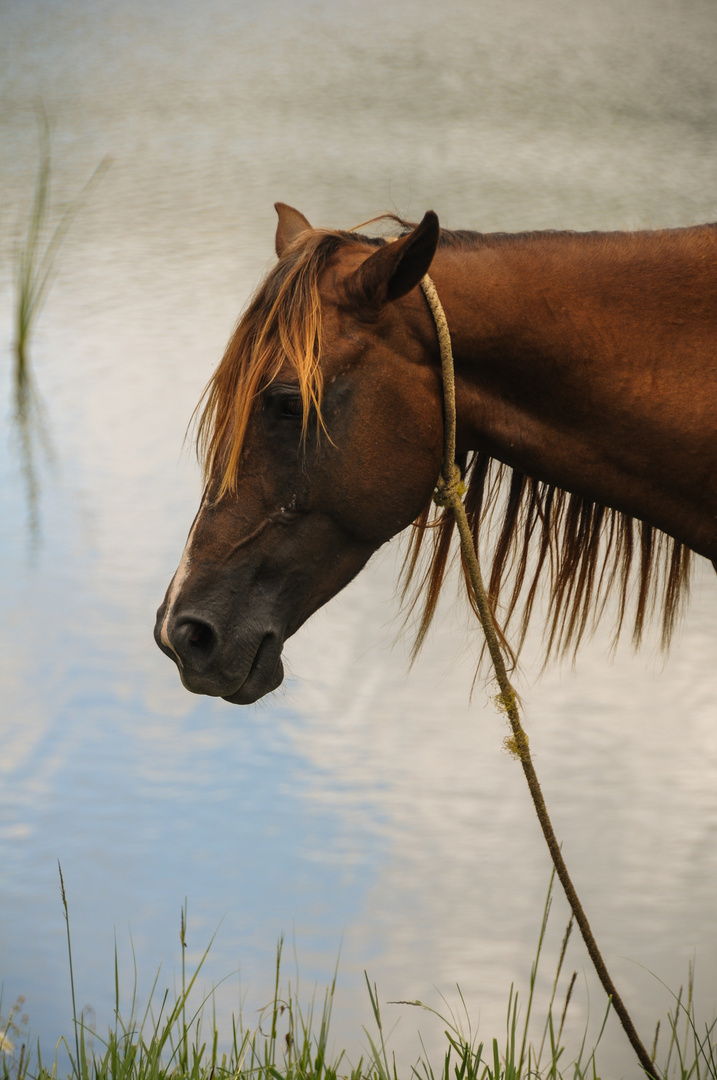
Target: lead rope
448 493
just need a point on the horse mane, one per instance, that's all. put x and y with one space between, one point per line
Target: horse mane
544 538
581 552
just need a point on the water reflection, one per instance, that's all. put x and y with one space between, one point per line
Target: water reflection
35 261
36 256
363 800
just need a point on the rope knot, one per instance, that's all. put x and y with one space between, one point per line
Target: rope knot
449 489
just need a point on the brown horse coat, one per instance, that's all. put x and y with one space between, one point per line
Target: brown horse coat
586 382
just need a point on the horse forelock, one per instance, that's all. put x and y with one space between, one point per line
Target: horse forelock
282 324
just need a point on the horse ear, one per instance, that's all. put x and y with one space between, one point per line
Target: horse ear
291 223
396 268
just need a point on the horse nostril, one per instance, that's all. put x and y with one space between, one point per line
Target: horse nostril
197 637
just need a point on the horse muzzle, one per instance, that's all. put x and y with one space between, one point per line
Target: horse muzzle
241 668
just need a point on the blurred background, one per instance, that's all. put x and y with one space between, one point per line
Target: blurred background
364 807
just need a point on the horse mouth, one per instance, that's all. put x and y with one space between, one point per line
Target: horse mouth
265 674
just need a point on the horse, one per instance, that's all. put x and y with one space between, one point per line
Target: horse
586 401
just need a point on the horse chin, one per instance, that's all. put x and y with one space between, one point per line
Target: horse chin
261 680
257 685
264 675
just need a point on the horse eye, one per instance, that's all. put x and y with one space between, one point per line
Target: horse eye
284 404
290 407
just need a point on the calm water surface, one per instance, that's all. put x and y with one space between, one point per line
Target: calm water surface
363 806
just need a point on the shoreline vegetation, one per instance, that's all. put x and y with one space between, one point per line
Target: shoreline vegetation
174 1037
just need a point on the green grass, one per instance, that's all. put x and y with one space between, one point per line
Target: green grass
171 1037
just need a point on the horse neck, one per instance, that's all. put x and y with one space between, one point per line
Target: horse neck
570 358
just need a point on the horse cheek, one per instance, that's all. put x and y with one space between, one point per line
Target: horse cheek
380 490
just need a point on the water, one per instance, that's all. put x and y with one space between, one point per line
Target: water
364 806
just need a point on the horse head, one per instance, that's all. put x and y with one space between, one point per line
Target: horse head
321 436
586 411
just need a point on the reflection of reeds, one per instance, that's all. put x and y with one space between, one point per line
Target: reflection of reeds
37 252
